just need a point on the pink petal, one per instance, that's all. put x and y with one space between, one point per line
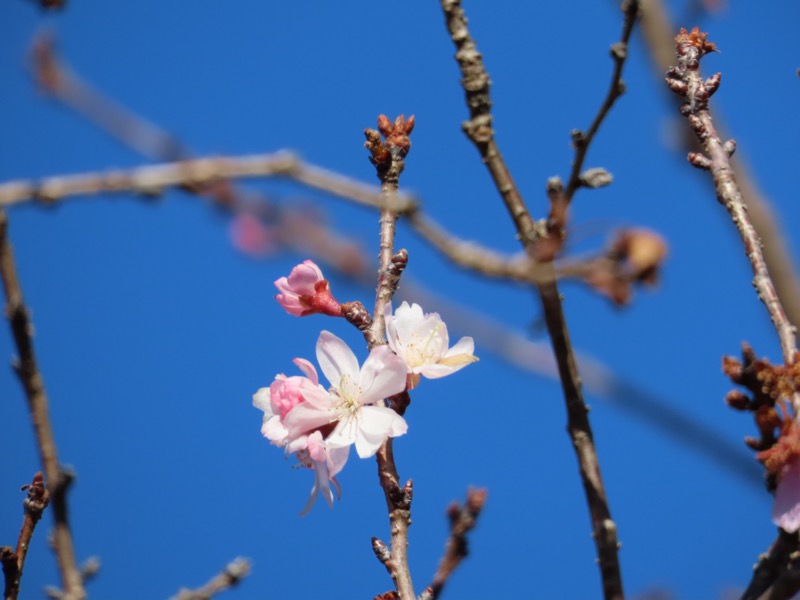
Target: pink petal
336 359
304 418
308 369
303 277
786 509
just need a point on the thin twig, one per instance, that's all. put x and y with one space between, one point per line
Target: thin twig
582 141
14 560
28 372
658 32
462 520
475 81
232 574
685 80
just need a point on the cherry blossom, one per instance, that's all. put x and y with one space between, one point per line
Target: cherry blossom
326 464
306 292
351 400
421 340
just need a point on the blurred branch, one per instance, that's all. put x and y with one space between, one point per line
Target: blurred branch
28 372
462 520
14 560
196 175
541 243
659 31
232 574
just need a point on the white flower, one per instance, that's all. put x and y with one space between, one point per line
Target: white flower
350 402
421 340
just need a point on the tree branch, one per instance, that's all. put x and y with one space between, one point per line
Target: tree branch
462 520
476 83
14 560
28 372
231 575
658 33
686 81
388 157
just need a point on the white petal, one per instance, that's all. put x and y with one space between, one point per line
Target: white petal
335 358
376 424
466 345
383 375
344 435
406 319
395 343
261 400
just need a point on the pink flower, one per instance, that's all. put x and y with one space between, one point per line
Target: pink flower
280 398
326 464
421 340
786 508
251 236
306 292
350 403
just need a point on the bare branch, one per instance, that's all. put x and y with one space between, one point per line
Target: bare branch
658 33
28 372
462 520
14 560
582 141
475 81
388 157
231 575
688 82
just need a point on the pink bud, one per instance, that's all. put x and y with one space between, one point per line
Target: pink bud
306 292
250 236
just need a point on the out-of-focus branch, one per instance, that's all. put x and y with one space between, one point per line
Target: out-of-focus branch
658 31
462 520
476 84
14 560
197 175
232 574
28 372
686 81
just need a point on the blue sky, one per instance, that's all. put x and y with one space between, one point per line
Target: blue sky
153 331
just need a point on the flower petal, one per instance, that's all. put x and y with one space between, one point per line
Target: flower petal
308 369
261 400
376 424
466 345
786 509
336 359
383 375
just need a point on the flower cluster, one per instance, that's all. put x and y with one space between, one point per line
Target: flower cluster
319 425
